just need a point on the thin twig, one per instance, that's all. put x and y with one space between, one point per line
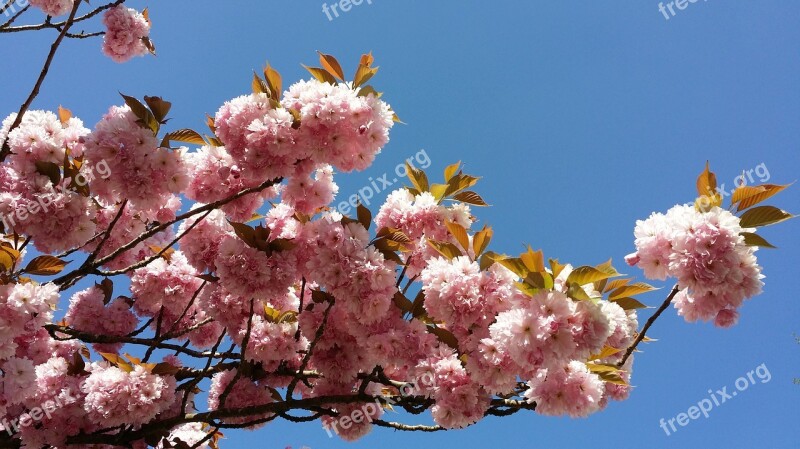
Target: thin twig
647 325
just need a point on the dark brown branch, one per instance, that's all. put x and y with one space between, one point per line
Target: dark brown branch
647 325
6 149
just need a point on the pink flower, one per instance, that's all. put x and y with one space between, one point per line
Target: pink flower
126 33
115 397
53 7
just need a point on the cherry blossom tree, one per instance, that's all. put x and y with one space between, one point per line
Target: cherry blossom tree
245 283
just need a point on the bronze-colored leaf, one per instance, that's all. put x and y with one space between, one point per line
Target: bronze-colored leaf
707 182
321 75
49 169
470 197
331 65
751 239
159 107
763 216
749 196
459 233
183 135
64 115
45 266
274 82
446 249
364 216
481 239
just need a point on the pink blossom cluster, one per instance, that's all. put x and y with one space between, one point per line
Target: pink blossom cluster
460 400
88 313
24 309
126 32
53 7
144 174
243 393
115 396
705 251
421 218
167 291
56 216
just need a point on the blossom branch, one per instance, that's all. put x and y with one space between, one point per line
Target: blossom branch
648 324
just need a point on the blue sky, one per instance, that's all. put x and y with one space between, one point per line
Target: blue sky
581 118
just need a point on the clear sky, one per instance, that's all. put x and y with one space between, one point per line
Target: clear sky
581 116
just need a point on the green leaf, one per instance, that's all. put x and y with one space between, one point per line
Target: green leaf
763 216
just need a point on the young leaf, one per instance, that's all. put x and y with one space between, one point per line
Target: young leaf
446 249
183 135
533 260
331 65
586 275
748 196
763 216
629 303
159 107
481 240
707 182
49 169
402 302
630 290
45 266
273 82
364 216
146 118
751 239
64 115
321 75
470 197
444 336
418 178
259 86
451 170
459 233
